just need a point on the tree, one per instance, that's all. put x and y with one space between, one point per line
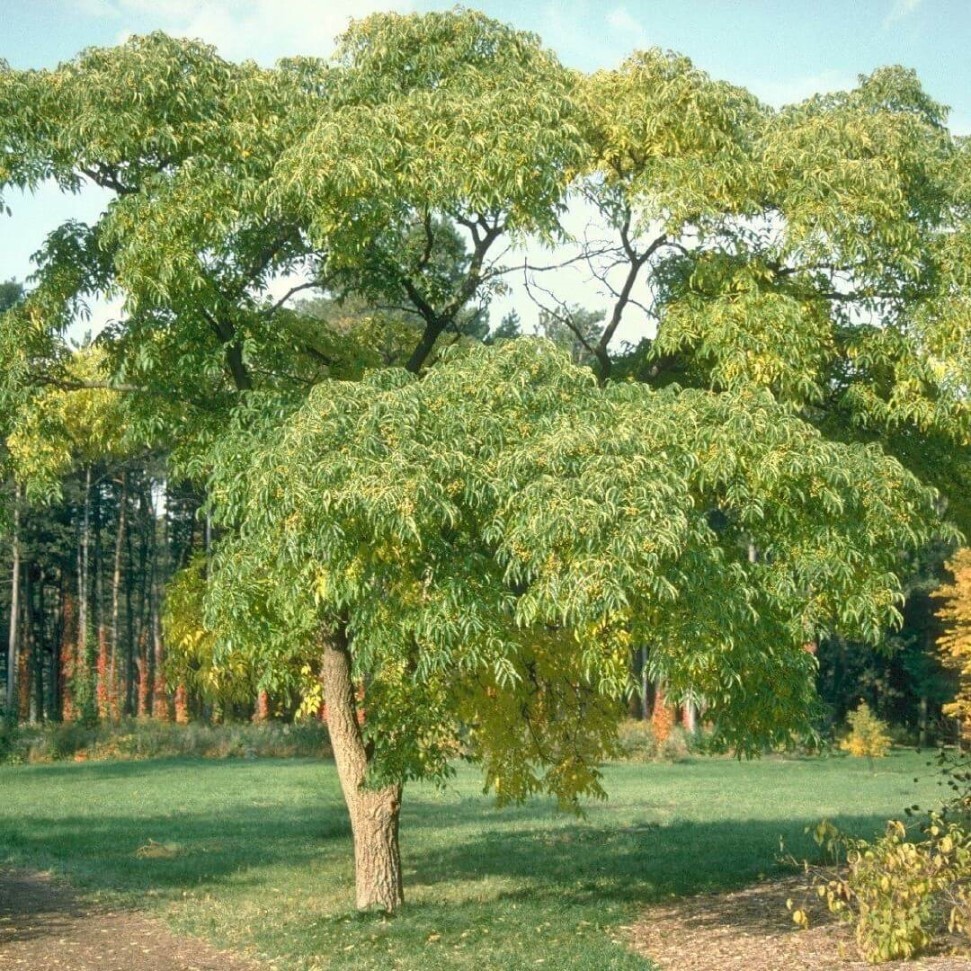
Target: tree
868 736
807 278
955 643
11 293
820 251
904 681
215 200
389 174
508 329
479 549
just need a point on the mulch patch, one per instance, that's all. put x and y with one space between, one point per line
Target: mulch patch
752 929
45 925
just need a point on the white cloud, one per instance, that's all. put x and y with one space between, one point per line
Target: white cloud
103 312
900 10
792 90
585 36
622 22
263 30
99 9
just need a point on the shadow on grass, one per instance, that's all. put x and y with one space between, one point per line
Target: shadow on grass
167 846
645 863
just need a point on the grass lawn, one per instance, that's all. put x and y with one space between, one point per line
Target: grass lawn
257 854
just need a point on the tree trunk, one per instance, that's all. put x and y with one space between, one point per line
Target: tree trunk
69 657
645 686
14 612
100 660
42 654
115 656
635 704
374 812
129 629
28 651
84 556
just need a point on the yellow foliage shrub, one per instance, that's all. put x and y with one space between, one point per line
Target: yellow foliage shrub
955 644
868 736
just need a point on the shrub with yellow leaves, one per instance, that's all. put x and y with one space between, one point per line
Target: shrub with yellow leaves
868 736
955 644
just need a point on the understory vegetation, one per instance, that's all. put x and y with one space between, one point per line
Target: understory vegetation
907 891
148 739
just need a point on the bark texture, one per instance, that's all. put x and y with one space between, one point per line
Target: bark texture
374 813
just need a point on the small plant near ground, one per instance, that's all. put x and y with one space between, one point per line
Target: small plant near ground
869 736
637 740
903 896
678 745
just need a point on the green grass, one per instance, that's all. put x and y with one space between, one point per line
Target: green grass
257 855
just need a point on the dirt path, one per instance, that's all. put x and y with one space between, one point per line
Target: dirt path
752 930
44 925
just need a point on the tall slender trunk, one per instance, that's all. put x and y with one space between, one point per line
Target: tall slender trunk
102 683
635 702
84 558
645 686
144 700
129 629
14 612
159 697
160 700
70 639
374 813
116 594
28 651
42 656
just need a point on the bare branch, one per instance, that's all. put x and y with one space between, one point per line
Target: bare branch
269 311
562 315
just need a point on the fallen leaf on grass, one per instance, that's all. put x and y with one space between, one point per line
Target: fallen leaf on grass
158 851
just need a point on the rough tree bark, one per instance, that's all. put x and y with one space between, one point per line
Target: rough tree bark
374 813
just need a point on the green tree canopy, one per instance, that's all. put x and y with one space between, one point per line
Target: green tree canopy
486 543
819 251
387 172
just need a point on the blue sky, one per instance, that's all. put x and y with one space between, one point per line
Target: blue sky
783 50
